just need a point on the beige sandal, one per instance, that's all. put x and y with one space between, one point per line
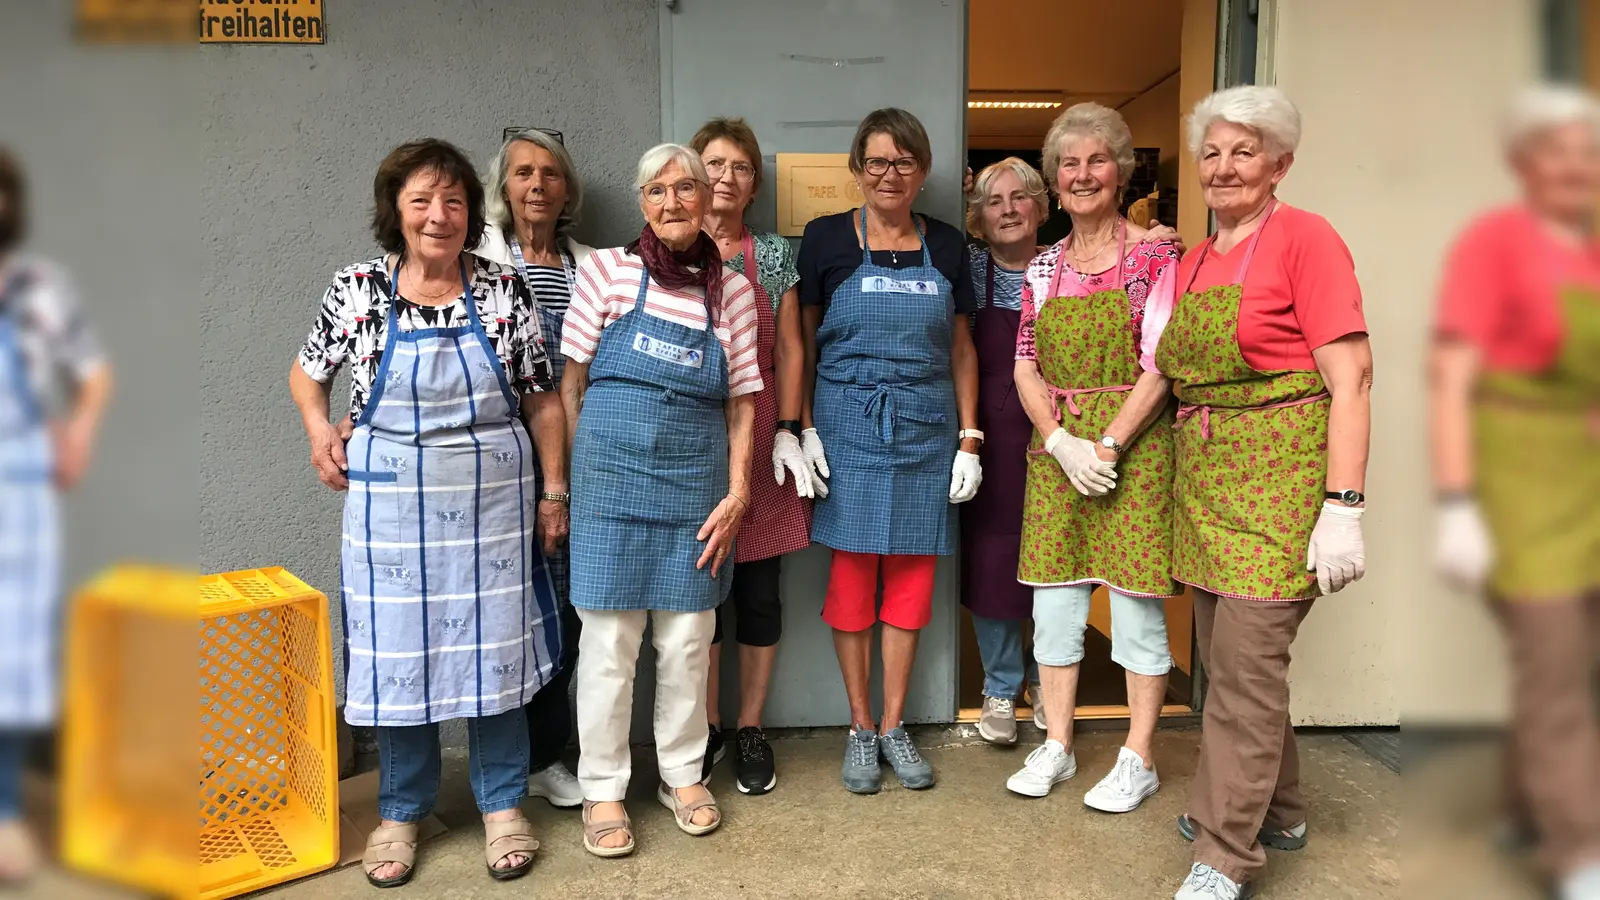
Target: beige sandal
594 832
684 812
501 839
19 855
391 844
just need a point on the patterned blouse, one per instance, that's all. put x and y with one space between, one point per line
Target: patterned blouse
775 265
1149 273
350 326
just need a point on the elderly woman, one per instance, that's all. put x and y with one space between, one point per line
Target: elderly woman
662 369
45 447
1267 349
1093 309
886 295
1516 445
533 200
779 520
449 612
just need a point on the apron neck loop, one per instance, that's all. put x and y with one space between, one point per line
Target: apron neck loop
568 264
922 241
988 280
1066 243
466 290
1249 250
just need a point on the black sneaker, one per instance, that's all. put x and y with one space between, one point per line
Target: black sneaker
716 749
753 769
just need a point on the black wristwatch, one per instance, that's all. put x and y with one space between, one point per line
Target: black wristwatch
790 425
1349 497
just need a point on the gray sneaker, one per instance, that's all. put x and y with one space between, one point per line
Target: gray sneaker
1206 883
997 724
913 771
1036 700
862 774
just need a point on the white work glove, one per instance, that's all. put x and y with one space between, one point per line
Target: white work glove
811 446
1462 550
1091 475
965 476
1336 552
787 459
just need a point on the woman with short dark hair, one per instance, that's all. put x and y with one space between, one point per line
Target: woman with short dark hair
448 608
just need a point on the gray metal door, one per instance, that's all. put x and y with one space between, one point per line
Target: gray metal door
803 75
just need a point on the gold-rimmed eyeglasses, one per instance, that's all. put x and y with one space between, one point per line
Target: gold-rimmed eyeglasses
656 194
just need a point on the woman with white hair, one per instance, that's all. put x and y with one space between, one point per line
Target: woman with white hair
1097 509
1268 353
1515 377
661 369
532 201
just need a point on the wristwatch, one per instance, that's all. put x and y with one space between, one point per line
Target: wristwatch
790 425
1348 497
973 433
1110 443
557 496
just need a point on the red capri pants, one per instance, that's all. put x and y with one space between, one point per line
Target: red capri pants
852 599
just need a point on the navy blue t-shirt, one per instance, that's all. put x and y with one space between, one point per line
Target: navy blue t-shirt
830 250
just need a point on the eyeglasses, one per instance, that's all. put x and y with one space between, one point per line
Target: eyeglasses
509 133
905 165
741 171
656 194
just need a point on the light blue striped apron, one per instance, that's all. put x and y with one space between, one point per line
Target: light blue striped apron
549 322
885 408
448 607
649 465
30 551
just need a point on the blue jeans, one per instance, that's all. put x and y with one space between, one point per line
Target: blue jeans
1000 648
409 766
13 749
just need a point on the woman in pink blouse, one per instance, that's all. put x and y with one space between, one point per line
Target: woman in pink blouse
1097 506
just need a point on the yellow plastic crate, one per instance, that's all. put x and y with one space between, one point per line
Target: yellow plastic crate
268 780
269 807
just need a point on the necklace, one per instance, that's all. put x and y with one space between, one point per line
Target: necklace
1104 243
425 295
894 254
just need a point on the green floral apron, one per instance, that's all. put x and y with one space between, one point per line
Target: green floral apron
1123 539
1251 455
1537 442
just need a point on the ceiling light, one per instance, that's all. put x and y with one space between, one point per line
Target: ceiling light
1013 104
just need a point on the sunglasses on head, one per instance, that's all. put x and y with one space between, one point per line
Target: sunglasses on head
508 133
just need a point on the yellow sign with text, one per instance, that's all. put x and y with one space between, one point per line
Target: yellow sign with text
133 21
812 185
261 22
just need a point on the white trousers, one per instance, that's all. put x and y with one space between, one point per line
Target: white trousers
608 658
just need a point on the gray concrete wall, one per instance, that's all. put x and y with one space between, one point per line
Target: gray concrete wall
292 137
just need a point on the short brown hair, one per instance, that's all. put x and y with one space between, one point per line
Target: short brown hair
902 127
429 154
736 131
13 202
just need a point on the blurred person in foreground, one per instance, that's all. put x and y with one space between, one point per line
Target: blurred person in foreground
1267 350
1515 389
45 443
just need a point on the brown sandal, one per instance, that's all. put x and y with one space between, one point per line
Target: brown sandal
501 839
594 832
391 844
683 813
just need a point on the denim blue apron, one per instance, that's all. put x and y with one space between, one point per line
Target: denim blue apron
448 608
649 465
885 407
29 542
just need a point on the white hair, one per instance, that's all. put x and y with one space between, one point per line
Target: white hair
497 206
1537 109
662 155
1264 109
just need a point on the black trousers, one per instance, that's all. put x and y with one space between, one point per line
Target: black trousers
550 711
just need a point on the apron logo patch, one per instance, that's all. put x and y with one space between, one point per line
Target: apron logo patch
882 284
501 565
450 516
503 457
393 463
672 353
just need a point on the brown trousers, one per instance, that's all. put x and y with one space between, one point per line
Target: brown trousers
1249 771
1553 750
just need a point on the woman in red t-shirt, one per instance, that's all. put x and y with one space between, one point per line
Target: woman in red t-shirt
1267 350
1516 446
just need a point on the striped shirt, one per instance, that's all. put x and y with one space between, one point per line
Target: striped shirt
607 284
549 285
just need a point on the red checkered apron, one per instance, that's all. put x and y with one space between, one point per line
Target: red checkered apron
779 520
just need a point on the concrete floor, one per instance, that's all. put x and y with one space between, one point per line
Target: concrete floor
966 838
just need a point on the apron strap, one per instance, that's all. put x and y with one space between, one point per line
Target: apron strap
1249 251
568 264
749 251
1061 261
988 280
922 240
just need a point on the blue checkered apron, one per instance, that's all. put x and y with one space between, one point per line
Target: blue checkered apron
449 611
30 553
885 407
649 465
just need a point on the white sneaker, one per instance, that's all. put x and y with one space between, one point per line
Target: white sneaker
1583 884
556 785
1125 786
1206 883
1044 768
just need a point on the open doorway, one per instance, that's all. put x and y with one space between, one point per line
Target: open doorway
1149 61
